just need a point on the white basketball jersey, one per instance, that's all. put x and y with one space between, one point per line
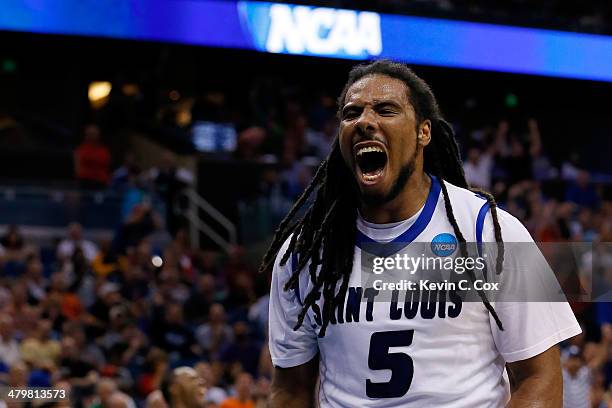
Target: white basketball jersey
415 354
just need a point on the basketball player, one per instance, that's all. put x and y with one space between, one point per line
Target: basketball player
395 176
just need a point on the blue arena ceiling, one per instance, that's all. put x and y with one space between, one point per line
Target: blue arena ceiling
321 32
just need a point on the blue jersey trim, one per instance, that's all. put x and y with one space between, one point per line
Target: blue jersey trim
482 214
480 224
411 233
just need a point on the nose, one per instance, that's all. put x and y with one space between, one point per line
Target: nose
366 123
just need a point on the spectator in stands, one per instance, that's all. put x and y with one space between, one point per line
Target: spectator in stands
319 143
576 380
581 191
126 175
9 348
99 313
518 164
478 167
156 400
92 160
14 252
571 166
202 297
34 279
216 333
26 316
171 286
170 332
206 262
134 346
543 169
67 402
108 396
262 392
106 261
121 400
258 312
39 349
104 391
18 375
170 181
118 321
153 372
243 397
239 276
243 350
141 222
89 350
295 175
214 393
130 181
76 369
184 388
61 304
75 240
135 283
13 244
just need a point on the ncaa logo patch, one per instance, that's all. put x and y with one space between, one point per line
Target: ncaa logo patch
444 244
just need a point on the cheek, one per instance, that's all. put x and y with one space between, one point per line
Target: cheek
345 144
403 152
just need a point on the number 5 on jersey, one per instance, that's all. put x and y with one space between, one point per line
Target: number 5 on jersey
400 364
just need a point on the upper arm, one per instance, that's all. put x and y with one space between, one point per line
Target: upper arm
295 385
537 381
546 365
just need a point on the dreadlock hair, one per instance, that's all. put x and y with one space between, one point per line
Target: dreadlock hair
325 235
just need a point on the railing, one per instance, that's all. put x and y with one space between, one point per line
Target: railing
198 226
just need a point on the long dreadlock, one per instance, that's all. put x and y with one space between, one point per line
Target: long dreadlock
325 235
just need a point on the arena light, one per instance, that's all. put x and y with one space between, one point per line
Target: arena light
323 32
157 261
98 93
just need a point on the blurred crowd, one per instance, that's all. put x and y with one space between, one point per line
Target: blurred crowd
131 325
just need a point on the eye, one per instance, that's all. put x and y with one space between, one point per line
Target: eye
386 112
350 114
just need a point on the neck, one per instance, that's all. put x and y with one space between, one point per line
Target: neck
402 207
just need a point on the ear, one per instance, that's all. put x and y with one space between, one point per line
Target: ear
424 136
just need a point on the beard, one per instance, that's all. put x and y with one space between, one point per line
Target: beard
374 200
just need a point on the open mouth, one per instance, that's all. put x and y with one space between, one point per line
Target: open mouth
371 161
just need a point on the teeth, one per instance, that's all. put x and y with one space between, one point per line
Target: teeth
372 177
369 149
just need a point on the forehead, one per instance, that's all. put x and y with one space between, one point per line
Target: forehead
375 88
